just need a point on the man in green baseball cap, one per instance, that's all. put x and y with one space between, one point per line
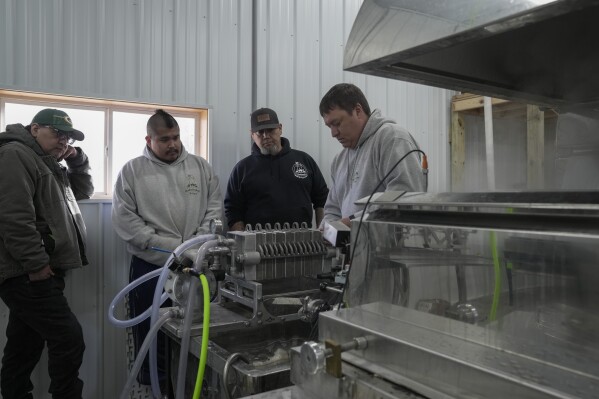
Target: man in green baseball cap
42 236
53 130
59 120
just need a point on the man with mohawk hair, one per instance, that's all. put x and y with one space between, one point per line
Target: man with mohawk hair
162 198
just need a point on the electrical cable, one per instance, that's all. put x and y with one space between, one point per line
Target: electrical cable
351 259
314 330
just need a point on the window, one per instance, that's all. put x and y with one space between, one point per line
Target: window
129 139
114 131
89 121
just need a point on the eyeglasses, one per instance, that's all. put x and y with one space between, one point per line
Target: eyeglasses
61 134
265 132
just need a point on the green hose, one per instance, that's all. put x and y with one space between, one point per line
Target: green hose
205 326
497 290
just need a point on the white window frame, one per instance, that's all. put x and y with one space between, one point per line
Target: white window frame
200 115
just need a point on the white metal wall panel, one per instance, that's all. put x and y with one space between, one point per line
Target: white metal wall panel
305 128
195 53
230 82
181 52
89 291
200 52
299 54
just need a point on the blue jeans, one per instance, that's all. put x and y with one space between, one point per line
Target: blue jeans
141 299
39 315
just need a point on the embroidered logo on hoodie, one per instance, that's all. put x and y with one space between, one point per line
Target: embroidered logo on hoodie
356 176
299 170
192 187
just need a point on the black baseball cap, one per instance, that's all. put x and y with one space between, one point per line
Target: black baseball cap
59 120
264 118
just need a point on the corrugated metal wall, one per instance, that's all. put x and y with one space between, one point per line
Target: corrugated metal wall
180 52
90 291
299 56
195 53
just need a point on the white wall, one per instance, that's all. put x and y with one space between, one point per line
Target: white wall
195 52
182 52
299 56
90 291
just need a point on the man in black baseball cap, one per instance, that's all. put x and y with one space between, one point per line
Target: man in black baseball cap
266 131
276 184
264 118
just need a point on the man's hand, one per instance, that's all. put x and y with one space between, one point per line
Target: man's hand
70 152
237 226
43 274
346 221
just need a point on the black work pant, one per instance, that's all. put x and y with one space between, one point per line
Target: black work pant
141 299
39 314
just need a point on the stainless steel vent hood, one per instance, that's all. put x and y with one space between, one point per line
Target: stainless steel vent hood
542 52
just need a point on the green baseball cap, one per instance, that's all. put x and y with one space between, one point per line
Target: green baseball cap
59 120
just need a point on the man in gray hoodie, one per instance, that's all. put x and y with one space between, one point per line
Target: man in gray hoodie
372 145
161 198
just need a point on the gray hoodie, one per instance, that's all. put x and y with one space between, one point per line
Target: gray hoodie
357 171
160 205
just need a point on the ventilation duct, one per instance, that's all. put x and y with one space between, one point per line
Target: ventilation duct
540 52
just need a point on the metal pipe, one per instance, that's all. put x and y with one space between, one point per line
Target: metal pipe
333 289
489 143
230 360
355 343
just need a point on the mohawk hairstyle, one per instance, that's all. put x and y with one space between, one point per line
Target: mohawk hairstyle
161 118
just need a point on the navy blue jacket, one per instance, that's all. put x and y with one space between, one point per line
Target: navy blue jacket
275 188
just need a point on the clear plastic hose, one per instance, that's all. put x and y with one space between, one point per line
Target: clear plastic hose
154 380
143 350
121 295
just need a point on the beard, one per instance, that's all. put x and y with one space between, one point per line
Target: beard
271 150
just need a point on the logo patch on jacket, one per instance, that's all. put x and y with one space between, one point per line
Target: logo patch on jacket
192 187
299 170
356 176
